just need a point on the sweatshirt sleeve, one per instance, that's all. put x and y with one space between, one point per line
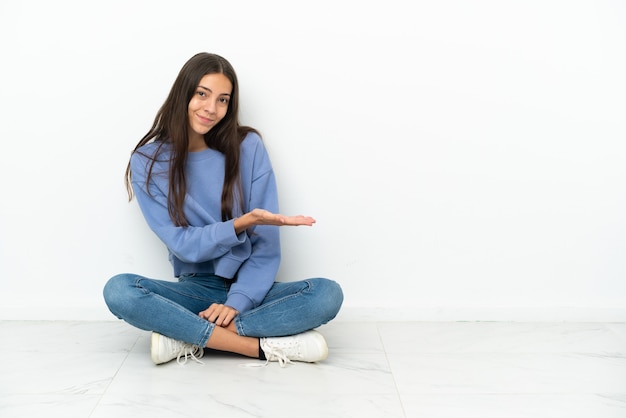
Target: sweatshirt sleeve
191 244
257 274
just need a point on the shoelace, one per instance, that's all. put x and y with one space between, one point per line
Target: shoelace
282 360
275 353
187 351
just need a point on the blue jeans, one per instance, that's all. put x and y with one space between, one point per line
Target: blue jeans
172 308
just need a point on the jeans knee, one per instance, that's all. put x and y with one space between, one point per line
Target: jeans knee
332 296
115 291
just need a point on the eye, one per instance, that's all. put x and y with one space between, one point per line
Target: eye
201 93
224 100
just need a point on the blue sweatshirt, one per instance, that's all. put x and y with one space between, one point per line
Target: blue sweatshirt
209 245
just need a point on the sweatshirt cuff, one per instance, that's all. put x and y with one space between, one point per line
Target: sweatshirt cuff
225 233
239 302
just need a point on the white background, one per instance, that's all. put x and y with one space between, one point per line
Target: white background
465 160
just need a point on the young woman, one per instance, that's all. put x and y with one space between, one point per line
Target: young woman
206 188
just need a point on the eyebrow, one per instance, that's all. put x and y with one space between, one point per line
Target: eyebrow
208 89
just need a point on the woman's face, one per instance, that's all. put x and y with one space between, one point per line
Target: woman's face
208 105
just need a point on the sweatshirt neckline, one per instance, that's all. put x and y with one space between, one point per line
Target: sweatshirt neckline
201 155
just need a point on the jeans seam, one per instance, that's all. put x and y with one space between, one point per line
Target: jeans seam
277 302
206 334
173 290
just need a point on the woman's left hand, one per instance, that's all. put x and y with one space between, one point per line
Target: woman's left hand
220 315
265 217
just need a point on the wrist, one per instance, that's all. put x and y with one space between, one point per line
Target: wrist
241 224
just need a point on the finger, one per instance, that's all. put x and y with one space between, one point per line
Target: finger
301 220
230 314
224 319
212 315
223 322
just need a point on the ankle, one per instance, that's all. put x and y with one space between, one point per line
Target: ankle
261 352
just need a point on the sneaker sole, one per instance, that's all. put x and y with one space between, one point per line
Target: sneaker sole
154 348
321 343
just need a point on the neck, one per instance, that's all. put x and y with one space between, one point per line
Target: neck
197 144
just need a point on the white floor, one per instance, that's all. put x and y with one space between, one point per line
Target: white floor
378 370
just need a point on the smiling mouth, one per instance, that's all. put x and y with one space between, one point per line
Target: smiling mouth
205 120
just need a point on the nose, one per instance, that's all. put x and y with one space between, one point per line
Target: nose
210 106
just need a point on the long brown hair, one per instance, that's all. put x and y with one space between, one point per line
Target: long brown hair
171 126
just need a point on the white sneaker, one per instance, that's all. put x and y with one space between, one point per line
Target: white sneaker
309 347
164 349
